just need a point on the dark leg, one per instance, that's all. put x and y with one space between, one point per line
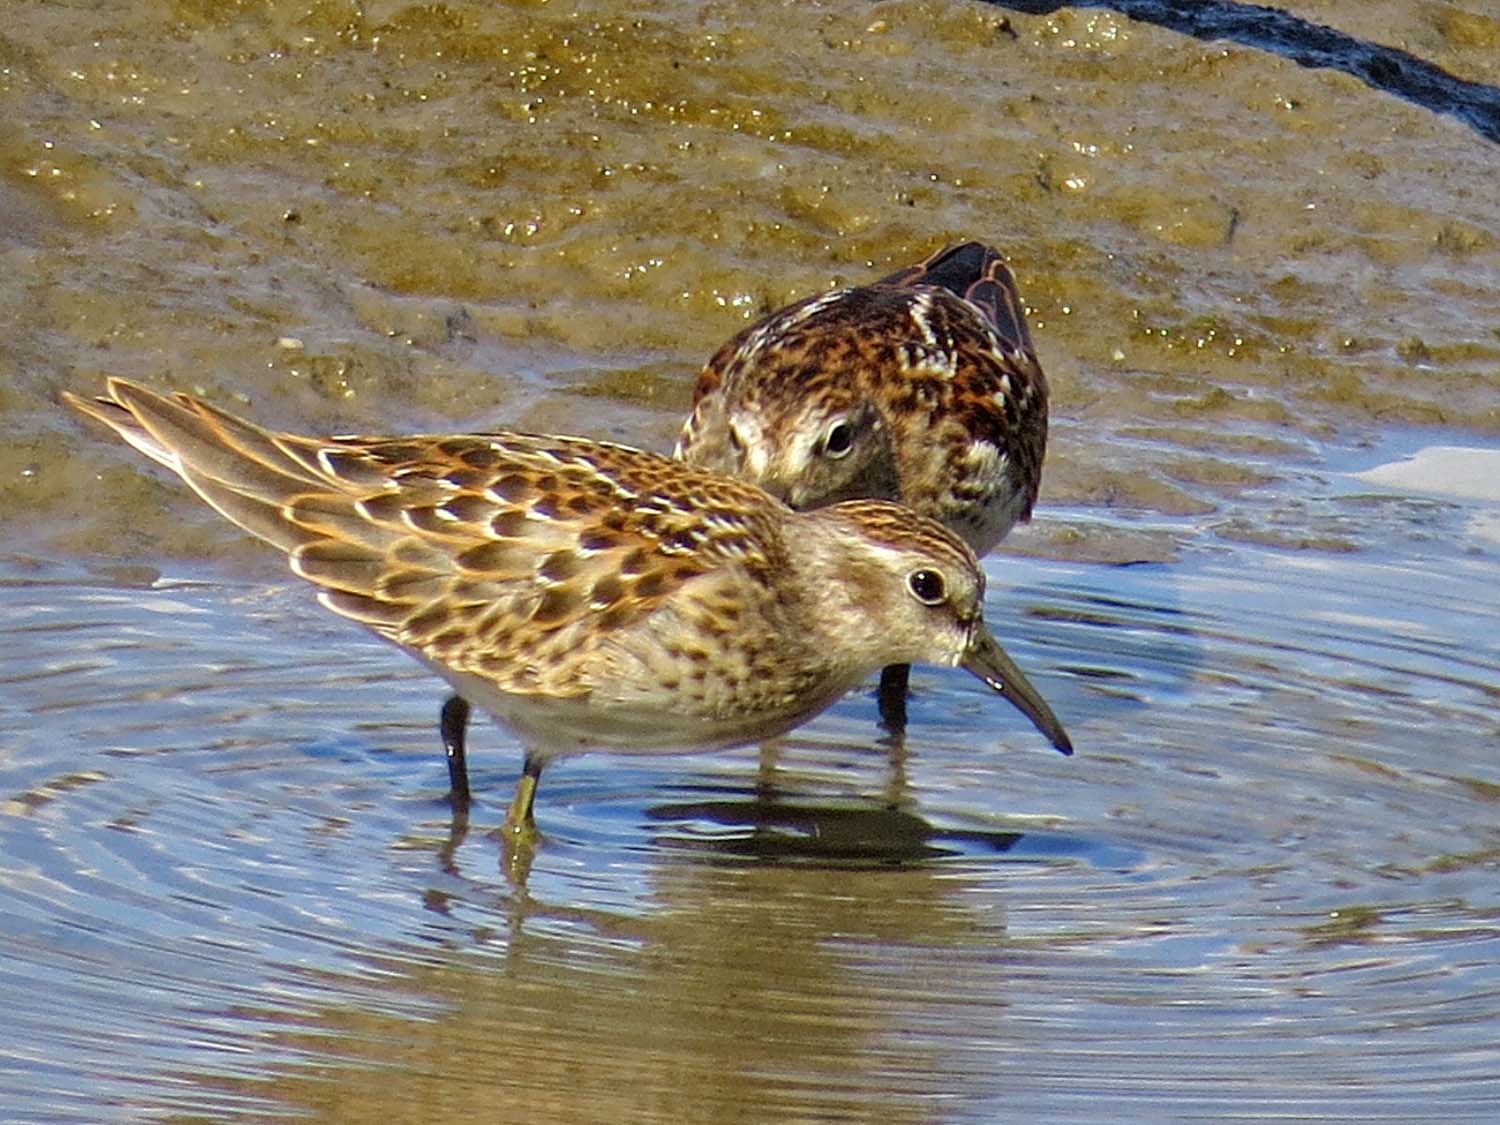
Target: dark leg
893 679
458 832
454 723
895 787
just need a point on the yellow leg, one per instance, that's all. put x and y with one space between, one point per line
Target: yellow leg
520 825
770 757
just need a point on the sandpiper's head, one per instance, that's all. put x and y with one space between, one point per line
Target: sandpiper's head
814 451
797 403
921 596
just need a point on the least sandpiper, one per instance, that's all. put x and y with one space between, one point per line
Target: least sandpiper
588 595
923 387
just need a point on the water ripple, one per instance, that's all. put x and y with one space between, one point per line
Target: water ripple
1265 883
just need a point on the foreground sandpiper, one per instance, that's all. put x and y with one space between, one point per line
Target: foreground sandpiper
588 595
923 388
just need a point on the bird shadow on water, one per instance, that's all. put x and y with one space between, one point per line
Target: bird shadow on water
766 820
774 829
762 826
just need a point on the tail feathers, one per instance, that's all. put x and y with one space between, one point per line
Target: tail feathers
978 274
272 485
124 423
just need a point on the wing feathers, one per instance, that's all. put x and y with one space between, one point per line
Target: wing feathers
513 556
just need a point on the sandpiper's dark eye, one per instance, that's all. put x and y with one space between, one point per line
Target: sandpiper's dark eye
839 439
927 586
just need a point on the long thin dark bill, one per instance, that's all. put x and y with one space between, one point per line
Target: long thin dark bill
987 660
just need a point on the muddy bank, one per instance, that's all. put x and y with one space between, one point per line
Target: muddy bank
394 217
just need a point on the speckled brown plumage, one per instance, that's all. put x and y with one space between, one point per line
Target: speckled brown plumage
589 595
923 387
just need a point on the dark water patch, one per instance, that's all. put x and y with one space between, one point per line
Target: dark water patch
1312 45
857 833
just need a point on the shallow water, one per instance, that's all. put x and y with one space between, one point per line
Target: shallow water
1265 884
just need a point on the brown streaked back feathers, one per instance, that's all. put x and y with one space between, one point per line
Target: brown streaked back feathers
464 547
941 350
